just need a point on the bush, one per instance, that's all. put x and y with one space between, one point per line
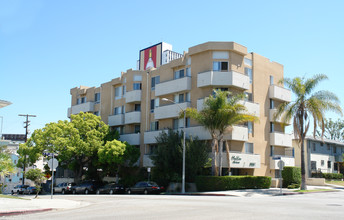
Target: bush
291 175
219 183
294 186
333 176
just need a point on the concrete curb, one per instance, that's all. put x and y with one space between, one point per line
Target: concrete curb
199 194
21 212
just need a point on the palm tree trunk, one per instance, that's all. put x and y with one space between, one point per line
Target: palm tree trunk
220 143
303 168
229 163
213 163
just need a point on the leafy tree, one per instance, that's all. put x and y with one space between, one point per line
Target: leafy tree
168 157
6 164
37 176
219 114
333 130
308 104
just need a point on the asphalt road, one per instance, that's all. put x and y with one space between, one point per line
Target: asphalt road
306 206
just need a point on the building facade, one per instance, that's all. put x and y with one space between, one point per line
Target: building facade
322 155
133 103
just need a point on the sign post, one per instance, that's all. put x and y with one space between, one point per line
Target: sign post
280 166
53 164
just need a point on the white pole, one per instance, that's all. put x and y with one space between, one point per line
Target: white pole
52 177
183 175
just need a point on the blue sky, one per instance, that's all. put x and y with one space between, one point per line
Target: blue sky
49 47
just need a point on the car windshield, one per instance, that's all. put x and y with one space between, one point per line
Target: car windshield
152 184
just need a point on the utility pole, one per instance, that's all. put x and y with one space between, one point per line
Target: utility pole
26 126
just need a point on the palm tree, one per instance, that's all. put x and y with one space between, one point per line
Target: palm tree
218 115
308 104
6 164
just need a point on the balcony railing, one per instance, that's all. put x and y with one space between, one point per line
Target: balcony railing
279 119
170 111
281 139
132 117
84 107
279 93
133 96
216 78
132 139
147 162
173 86
115 120
287 161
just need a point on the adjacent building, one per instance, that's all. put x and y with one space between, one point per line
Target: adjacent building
322 155
134 102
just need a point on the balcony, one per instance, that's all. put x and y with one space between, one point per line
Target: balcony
287 161
281 139
279 93
84 107
238 133
173 86
149 137
133 96
132 118
170 111
241 160
216 78
115 120
252 108
279 119
132 139
147 162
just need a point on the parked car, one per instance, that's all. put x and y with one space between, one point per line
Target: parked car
30 190
64 188
145 187
111 188
86 187
19 189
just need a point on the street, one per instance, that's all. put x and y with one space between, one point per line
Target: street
305 206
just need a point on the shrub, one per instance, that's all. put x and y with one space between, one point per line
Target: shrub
333 176
294 186
291 175
219 183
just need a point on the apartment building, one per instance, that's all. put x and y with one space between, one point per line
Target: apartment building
134 102
322 155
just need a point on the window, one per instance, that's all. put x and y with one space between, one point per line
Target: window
250 127
78 101
118 110
278 174
152 150
271 151
220 66
321 144
181 98
334 149
188 97
249 148
188 71
152 105
137 86
137 107
175 123
314 147
313 165
97 97
155 80
322 163
187 122
248 72
248 61
328 147
179 74
137 129
118 92
272 127
329 164
248 96
271 80
83 99
124 90
156 102
272 104
154 126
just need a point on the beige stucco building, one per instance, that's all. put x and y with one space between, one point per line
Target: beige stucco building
133 103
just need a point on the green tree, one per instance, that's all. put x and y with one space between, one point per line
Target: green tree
167 158
6 164
37 176
219 114
308 105
333 130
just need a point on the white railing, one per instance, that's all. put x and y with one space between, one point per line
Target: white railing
173 86
216 78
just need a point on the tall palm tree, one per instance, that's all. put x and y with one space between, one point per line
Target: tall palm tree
308 105
218 115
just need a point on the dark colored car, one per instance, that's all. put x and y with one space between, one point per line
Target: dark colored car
30 190
64 188
145 187
111 188
19 189
86 187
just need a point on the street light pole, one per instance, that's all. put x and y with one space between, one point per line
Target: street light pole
184 125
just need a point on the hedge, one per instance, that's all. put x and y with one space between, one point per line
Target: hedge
220 183
333 176
291 176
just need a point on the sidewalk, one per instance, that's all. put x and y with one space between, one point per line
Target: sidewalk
44 203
